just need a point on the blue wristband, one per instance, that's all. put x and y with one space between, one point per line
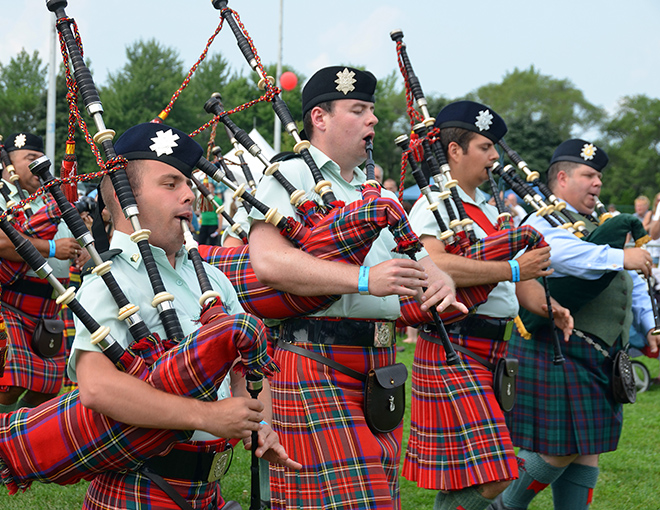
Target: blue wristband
363 281
52 248
515 270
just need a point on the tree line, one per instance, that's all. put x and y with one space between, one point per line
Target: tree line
541 111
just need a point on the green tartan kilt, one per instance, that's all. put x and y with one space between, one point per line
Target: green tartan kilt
563 409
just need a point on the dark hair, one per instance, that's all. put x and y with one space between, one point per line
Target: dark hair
134 179
458 135
559 166
308 126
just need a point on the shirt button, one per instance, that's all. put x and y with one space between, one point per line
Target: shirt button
179 283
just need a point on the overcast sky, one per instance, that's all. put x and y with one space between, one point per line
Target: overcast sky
605 48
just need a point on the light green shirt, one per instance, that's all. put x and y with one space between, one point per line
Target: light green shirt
60 267
502 301
297 172
240 217
131 275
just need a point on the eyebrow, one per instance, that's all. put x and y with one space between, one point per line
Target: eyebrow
173 175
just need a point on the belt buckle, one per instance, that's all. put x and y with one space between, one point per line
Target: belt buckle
508 331
383 334
219 465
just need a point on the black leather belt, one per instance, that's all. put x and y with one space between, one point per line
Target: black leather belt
480 326
338 332
31 288
188 465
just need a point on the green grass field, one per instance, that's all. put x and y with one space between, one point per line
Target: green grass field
629 478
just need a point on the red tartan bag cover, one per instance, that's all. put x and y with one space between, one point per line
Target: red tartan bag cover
62 442
345 235
500 245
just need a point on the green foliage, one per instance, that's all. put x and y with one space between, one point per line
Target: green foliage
85 158
529 94
541 111
144 86
633 146
22 94
392 122
533 140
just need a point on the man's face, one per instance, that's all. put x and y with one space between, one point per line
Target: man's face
21 159
346 127
641 207
164 198
471 168
581 187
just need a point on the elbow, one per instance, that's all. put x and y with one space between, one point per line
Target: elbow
265 270
91 397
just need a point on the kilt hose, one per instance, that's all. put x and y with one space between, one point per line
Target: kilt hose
24 368
568 408
458 436
318 415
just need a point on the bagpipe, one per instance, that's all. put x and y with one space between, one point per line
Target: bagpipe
213 201
570 291
61 441
330 230
343 234
423 146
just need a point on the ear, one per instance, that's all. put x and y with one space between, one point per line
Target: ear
454 151
562 178
318 118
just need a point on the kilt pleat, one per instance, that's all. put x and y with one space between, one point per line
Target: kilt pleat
319 418
563 409
24 368
458 436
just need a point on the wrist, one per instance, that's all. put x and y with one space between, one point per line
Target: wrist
52 248
515 270
363 281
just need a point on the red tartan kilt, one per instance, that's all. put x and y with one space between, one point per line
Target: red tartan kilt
62 442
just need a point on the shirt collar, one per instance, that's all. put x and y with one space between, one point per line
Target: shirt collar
131 253
332 168
480 197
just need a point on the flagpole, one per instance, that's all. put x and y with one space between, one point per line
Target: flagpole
277 127
51 98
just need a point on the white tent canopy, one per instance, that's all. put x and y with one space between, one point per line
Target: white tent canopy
233 162
256 166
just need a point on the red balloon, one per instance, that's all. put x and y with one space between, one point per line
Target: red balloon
288 80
